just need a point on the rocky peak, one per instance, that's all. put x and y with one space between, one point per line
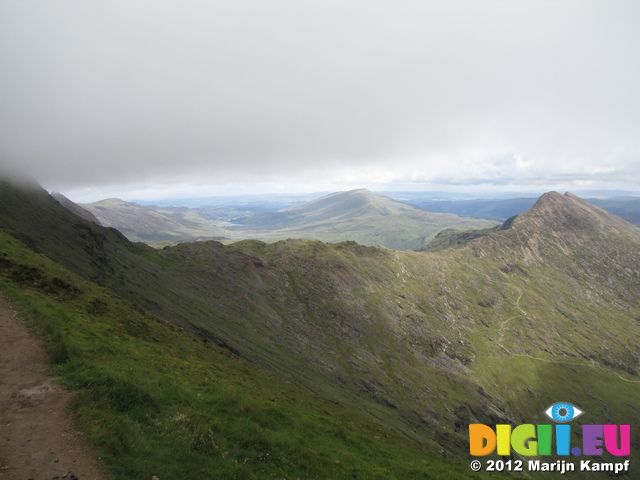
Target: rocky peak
571 215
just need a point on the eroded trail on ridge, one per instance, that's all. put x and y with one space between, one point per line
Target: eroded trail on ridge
38 437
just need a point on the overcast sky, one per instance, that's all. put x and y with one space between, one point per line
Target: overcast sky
143 98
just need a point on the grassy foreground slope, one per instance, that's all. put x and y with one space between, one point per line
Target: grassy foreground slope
157 401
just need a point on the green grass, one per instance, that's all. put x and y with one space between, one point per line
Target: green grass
154 400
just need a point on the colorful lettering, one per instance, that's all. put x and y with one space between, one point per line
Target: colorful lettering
532 440
592 436
621 449
482 440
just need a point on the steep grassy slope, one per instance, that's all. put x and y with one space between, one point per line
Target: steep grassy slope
156 401
544 310
98 254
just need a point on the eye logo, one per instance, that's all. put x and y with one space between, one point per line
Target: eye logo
562 412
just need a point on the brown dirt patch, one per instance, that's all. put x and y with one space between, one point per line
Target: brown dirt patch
38 436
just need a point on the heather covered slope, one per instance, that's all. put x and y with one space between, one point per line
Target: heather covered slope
543 310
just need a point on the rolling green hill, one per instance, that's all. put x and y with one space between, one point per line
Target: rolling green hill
422 344
359 215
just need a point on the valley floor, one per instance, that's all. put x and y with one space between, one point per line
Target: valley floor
38 437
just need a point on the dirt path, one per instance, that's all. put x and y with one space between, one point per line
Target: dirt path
38 438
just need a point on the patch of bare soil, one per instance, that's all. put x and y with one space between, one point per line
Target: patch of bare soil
38 436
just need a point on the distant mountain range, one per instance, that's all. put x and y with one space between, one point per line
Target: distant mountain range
359 215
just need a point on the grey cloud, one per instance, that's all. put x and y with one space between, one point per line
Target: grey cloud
118 92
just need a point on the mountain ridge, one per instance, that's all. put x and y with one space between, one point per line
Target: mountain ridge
570 223
553 204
